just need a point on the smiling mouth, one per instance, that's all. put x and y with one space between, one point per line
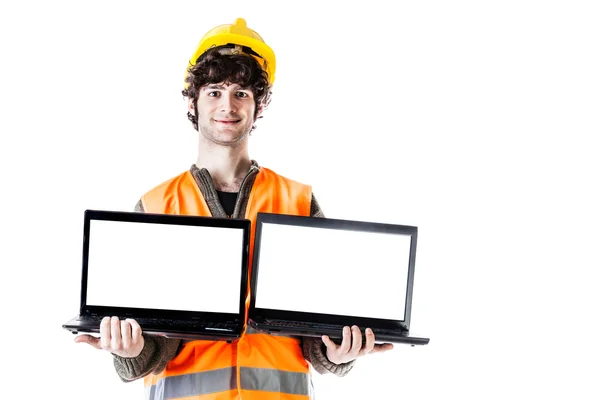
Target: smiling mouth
227 121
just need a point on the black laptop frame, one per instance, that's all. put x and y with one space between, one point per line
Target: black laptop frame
172 219
257 314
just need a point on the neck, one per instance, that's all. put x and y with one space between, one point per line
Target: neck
227 165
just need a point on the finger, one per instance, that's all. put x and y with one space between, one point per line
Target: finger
105 333
89 339
356 340
328 343
381 347
369 342
346 340
136 330
126 338
115 333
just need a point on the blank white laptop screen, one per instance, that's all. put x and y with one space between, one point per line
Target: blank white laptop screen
162 266
330 271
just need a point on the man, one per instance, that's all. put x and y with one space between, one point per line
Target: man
228 86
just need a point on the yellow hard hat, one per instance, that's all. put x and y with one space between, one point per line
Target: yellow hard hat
238 33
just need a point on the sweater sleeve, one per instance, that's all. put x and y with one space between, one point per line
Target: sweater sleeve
155 356
313 348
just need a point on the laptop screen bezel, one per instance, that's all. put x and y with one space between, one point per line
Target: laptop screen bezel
172 219
341 224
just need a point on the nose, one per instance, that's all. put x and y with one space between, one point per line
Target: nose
228 105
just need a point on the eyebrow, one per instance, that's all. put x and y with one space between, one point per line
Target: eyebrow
214 86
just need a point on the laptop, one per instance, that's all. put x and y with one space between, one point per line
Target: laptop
313 276
178 276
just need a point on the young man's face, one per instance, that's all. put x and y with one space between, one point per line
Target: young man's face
225 113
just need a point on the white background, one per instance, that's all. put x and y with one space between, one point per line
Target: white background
473 120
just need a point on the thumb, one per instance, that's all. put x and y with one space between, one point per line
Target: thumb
89 339
328 342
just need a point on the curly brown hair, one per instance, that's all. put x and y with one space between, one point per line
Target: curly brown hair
214 67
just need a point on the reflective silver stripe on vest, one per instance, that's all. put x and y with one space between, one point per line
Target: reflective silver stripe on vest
218 380
274 380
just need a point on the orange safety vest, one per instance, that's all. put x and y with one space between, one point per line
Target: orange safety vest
257 366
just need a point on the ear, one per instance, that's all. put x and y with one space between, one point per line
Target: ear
191 106
259 111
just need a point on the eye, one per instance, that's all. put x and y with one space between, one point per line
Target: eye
242 94
213 94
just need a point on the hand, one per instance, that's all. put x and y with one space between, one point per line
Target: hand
123 338
351 346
